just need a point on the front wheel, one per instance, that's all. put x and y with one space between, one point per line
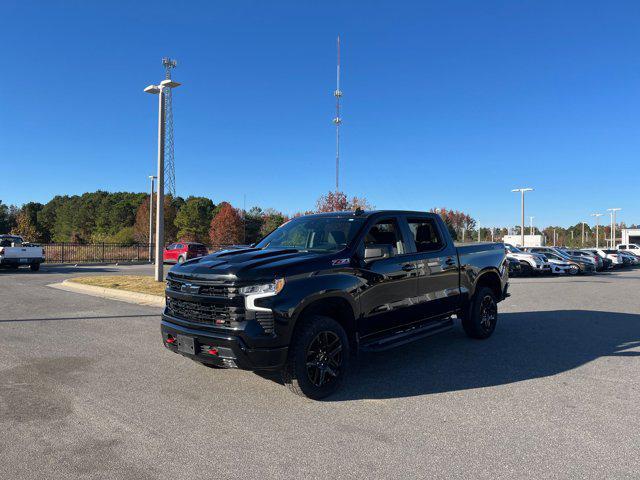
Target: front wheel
574 270
318 358
482 316
180 259
527 270
35 267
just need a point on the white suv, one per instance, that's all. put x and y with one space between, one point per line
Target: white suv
633 248
530 262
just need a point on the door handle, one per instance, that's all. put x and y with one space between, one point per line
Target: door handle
408 267
449 261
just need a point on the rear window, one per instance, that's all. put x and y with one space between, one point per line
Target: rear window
610 251
196 246
425 234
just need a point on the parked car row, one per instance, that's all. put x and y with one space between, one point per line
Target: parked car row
561 260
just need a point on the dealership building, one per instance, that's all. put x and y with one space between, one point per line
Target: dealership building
630 235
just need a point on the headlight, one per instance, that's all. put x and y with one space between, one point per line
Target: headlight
273 288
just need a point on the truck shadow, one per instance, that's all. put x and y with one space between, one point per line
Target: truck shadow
525 346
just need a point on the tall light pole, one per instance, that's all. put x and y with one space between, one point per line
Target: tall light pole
613 225
531 225
582 234
522 190
152 178
159 90
597 215
479 230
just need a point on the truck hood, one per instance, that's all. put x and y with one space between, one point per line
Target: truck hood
247 264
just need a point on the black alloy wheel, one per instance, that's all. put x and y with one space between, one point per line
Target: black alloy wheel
488 313
318 358
324 358
480 319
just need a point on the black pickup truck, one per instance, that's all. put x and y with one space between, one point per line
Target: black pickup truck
323 287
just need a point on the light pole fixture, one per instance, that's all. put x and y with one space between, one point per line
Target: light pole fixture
152 178
522 190
613 225
159 90
597 215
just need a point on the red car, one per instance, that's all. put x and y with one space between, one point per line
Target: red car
182 251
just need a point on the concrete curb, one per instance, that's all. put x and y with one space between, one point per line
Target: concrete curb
111 293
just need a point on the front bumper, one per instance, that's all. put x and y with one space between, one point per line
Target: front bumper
231 350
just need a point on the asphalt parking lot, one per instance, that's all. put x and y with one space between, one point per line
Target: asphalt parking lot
88 391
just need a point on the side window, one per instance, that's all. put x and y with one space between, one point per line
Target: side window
171 247
425 234
385 232
179 246
622 247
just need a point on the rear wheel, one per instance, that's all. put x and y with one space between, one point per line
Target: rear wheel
574 270
318 358
180 259
35 267
482 316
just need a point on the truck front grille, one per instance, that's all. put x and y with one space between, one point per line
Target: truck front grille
210 314
201 289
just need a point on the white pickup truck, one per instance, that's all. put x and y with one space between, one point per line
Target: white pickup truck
15 252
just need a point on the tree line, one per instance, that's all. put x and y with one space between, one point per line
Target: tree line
123 217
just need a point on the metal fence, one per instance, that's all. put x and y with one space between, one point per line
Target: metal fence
95 252
102 252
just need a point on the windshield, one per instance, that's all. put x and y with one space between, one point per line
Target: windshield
512 249
318 234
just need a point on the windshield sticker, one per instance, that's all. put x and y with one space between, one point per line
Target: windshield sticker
340 261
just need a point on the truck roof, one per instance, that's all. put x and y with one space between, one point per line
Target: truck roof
367 213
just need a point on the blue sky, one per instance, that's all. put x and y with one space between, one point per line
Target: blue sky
445 103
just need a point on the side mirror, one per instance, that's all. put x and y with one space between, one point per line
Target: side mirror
377 252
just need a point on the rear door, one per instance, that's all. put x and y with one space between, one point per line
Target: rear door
438 268
390 287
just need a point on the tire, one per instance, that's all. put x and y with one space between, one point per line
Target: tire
180 259
574 270
318 358
527 270
474 322
35 267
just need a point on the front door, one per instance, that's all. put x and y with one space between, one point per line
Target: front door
391 283
438 269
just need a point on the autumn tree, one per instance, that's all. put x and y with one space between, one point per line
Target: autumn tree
338 202
27 223
226 227
194 218
141 225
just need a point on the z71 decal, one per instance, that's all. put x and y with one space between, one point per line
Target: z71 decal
340 261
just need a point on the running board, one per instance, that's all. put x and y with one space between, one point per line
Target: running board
407 336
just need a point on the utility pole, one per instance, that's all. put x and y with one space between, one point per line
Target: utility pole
479 232
337 120
583 234
597 215
613 225
522 191
554 237
492 234
159 90
531 225
152 178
